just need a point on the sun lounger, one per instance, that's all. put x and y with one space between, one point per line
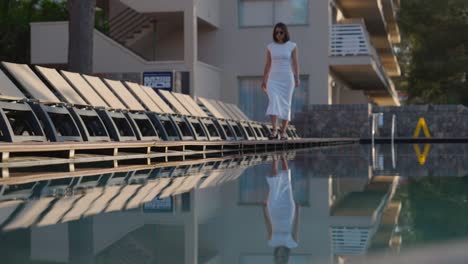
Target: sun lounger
214 129
91 126
291 129
145 126
29 214
243 129
117 123
18 121
7 208
233 129
140 123
192 126
199 127
173 127
249 125
57 121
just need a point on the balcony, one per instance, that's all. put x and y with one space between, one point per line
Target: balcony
390 8
354 59
376 14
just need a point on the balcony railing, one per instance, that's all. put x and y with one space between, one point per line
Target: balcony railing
350 40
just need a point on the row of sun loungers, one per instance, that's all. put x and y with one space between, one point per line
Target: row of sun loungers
44 104
50 202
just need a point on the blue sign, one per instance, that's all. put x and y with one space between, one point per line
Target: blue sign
158 205
158 80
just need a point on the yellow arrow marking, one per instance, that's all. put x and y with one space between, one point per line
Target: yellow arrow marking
422 124
422 157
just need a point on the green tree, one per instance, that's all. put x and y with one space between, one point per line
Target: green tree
433 52
434 209
15 17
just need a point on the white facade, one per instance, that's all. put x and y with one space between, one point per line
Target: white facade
345 50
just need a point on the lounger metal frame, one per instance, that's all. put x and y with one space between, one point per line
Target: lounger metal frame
197 127
197 116
118 131
91 126
169 128
141 122
230 128
121 126
12 132
235 112
58 123
183 126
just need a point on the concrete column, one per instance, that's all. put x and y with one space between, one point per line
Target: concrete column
319 213
191 42
191 232
319 90
81 241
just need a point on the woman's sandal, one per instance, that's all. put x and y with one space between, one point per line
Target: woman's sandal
284 137
273 137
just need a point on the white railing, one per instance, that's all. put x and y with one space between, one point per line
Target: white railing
352 39
349 40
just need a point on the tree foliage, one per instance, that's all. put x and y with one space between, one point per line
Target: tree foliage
434 50
15 17
434 209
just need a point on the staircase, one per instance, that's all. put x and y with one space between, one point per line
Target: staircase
128 250
129 26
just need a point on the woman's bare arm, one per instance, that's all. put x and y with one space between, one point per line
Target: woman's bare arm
266 71
267 220
295 64
296 223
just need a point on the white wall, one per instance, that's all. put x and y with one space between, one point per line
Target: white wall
49 44
209 10
111 227
207 81
151 6
50 243
353 97
244 50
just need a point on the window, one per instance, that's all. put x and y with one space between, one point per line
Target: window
269 12
254 102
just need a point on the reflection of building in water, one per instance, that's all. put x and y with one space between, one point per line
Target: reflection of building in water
219 220
364 219
120 213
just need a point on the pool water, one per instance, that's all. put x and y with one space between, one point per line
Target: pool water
344 204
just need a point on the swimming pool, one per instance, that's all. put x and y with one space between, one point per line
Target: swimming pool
341 204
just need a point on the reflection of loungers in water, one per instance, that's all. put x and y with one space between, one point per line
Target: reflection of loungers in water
281 213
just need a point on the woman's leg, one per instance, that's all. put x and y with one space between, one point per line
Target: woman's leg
284 125
274 122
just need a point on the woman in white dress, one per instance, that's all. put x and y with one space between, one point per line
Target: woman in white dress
280 76
281 212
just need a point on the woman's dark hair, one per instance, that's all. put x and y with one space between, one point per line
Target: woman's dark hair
283 27
281 255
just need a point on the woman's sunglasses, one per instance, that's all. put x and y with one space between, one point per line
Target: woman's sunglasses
279 32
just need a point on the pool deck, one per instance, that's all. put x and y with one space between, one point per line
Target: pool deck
387 140
20 159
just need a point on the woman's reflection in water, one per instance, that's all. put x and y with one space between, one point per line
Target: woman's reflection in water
281 212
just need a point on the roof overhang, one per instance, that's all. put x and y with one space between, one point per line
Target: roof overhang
360 72
363 73
372 11
389 11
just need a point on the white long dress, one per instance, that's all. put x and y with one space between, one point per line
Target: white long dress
280 85
281 210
